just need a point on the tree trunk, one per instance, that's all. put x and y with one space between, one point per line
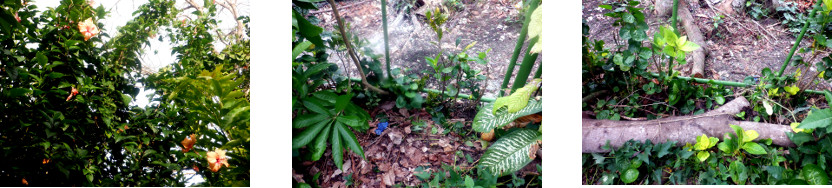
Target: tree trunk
683 129
694 35
663 7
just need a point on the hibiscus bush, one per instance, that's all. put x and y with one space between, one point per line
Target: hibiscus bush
66 87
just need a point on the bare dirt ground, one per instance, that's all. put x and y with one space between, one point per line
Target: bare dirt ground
493 24
739 47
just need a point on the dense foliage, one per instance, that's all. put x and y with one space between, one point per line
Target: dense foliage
67 86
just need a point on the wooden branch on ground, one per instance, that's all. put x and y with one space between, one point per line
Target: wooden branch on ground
682 129
694 35
350 51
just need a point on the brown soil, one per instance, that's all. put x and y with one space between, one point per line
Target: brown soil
493 25
739 47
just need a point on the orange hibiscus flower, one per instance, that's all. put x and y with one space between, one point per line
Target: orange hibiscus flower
216 159
88 28
188 143
72 93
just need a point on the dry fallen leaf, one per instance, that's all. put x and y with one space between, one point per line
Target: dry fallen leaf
389 178
404 112
489 136
395 137
533 151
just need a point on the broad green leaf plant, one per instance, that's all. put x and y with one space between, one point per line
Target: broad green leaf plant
328 120
515 149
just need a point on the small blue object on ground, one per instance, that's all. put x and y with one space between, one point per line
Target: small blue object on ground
381 127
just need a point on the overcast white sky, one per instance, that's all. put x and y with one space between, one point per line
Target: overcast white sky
158 54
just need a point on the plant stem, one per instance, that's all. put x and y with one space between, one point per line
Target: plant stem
349 49
673 20
726 83
674 16
518 45
386 44
539 71
799 38
525 67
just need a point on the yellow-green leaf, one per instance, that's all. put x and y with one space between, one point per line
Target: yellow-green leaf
702 142
517 100
792 89
750 135
795 129
536 29
688 46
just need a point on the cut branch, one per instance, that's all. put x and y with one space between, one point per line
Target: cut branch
350 51
694 35
683 129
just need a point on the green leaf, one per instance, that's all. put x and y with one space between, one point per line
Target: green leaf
629 176
308 134
353 121
308 30
349 138
689 46
753 148
300 48
713 141
750 135
337 147
315 69
17 92
792 89
827 4
511 152
315 106
702 155
663 149
725 147
739 133
719 100
795 129
628 18
319 145
608 178
702 142
817 119
342 102
485 121
814 175
469 183
535 30
517 100
800 138
305 120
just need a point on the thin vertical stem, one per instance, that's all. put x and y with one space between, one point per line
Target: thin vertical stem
539 71
386 44
525 67
799 38
519 44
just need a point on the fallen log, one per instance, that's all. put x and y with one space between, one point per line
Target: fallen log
682 129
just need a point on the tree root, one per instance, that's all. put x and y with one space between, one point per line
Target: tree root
682 129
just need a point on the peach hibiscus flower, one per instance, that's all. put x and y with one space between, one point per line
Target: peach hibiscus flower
188 143
216 159
88 28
